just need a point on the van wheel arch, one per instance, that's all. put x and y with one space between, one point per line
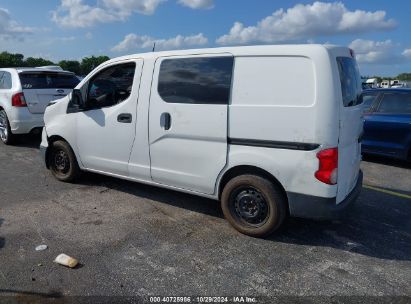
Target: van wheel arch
243 170
51 140
61 160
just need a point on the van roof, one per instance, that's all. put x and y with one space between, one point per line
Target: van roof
236 51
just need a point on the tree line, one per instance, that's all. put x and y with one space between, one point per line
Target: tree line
401 77
83 67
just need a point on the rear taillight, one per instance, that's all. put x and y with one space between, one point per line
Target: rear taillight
18 100
328 167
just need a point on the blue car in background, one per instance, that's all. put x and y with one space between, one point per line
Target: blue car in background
387 123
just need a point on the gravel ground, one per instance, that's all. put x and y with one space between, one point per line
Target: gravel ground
137 240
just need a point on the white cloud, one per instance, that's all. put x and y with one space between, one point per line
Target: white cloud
378 52
10 29
126 7
407 53
197 4
73 13
134 42
76 14
369 51
307 21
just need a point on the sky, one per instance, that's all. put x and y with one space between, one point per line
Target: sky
377 30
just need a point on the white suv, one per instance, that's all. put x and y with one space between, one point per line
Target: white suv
25 94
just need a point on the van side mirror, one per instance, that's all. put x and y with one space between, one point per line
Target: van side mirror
77 99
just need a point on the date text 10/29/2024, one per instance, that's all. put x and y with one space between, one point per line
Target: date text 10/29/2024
239 299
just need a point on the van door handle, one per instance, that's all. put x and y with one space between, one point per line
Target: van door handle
125 118
165 121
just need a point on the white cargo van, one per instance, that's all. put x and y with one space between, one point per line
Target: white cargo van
269 131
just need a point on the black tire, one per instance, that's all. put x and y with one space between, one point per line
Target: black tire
253 205
6 136
62 162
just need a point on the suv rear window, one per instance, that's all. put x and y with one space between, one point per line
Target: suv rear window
48 80
350 81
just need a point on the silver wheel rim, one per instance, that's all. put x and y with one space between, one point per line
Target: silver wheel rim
4 130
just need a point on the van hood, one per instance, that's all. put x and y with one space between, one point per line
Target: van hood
56 108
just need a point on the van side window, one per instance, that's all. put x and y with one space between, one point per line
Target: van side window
5 81
196 80
398 103
111 86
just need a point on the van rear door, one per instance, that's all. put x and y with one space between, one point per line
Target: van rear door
351 125
40 88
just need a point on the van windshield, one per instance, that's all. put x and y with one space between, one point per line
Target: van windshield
350 81
48 80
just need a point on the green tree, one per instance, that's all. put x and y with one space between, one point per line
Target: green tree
404 76
71 65
90 63
11 60
36 62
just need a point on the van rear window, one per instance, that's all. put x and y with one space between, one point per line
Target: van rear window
350 81
48 80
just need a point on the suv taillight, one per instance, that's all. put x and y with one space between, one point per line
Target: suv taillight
18 100
328 167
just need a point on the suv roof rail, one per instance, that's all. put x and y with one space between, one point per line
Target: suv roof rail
51 67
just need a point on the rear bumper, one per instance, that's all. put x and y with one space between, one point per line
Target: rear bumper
22 121
392 152
313 207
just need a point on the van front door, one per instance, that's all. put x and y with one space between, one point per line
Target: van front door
106 128
188 120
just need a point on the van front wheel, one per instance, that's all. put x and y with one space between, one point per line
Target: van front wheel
62 161
253 205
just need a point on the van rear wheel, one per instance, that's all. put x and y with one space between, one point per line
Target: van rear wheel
253 205
62 161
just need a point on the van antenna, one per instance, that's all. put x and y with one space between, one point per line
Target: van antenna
154 47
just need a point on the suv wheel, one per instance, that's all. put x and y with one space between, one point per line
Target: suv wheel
253 205
5 132
62 161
